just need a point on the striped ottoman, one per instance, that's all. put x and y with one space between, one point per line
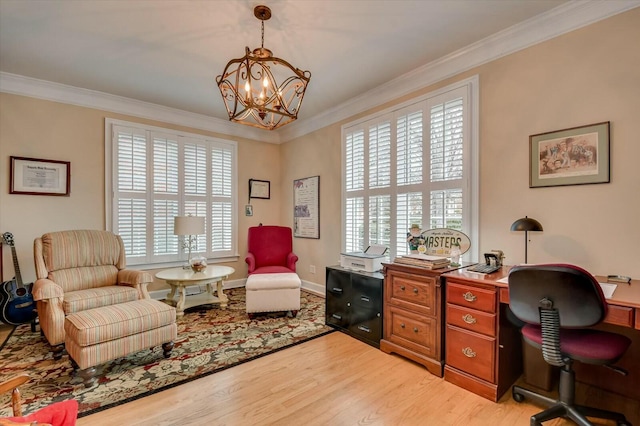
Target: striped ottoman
95 336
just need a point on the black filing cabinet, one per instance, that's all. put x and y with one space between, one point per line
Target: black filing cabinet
354 303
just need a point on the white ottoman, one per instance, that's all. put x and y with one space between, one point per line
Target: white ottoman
273 293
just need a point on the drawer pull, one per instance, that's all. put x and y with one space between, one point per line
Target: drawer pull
336 316
402 325
402 287
468 352
469 319
337 290
415 290
365 299
470 297
365 329
415 329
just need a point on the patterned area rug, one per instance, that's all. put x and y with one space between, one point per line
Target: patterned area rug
209 340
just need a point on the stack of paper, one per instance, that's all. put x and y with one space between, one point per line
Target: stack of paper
423 260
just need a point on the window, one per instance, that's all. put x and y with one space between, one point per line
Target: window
156 174
411 165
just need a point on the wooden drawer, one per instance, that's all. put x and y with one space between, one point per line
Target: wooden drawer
620 315
471 319
471 352
471 297
409 293
412 331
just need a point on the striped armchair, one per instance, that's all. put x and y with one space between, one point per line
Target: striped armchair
80 270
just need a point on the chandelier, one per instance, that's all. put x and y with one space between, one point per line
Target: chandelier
261 90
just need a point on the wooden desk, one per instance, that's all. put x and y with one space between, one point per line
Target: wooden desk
490 368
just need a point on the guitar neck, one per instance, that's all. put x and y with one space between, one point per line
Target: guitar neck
16 266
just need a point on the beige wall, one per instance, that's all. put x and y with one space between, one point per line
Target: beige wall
587 76
584 77
42 129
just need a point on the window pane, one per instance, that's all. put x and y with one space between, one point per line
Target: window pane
164 241
408 212
222 223
380 220
447 140
165 166
198 208
446 209
132 226
354 224
195 169
380 155
221 172
354 173
409 148
132 162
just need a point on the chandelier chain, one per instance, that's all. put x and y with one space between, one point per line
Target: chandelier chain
262 44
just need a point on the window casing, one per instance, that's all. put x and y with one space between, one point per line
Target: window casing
155 174
415 163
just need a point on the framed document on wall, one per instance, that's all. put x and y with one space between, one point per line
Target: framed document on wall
35 176
259 189
306 207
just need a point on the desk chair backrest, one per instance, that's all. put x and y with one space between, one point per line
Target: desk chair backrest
559 303
555 296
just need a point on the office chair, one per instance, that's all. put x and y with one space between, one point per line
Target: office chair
558 303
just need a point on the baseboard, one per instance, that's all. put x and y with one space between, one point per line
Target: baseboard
309 286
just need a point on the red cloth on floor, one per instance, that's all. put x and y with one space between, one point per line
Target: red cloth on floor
63 413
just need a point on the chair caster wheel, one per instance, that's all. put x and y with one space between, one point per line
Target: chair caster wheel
518 397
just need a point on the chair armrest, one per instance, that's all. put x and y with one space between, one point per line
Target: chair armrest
45 289
251 261
291 261
137 279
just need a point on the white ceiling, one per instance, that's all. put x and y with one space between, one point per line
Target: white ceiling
169 52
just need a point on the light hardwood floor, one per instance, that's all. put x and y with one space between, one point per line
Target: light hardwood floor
332 380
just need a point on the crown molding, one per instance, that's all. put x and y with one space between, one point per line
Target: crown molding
560 20
47 90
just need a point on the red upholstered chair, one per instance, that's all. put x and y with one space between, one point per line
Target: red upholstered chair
62 413
270 250
558 304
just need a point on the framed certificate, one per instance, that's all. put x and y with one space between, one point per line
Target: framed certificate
33 176
259 189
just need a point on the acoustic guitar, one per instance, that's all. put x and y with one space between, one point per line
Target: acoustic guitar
16 301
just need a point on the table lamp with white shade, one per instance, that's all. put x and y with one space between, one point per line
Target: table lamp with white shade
189 227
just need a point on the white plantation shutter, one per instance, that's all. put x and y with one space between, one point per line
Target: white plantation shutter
408 212
409 147
380 155
408 166
354 172
380 220
222 202
158 174
354 223
447 140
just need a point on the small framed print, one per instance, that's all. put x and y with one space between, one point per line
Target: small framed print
259 189
34 176
575 156
248 210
